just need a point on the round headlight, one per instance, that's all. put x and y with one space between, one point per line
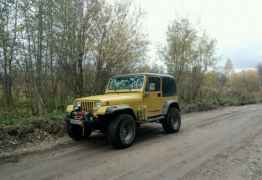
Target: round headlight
78 103
98 104
77 106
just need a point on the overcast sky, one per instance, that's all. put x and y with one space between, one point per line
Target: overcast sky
235 24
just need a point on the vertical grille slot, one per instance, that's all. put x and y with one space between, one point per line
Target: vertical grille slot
87 106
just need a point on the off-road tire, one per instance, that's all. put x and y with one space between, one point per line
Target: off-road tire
75 132
121 131
172 121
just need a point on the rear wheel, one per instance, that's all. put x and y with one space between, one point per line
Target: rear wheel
172 122
122 131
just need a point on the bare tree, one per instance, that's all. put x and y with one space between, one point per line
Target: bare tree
52 51
188 56
8 38
259 71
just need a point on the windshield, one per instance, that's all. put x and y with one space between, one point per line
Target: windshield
126 82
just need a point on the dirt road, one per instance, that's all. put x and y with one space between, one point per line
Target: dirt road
219 144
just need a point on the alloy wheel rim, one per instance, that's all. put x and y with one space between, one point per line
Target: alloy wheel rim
174 122
126 133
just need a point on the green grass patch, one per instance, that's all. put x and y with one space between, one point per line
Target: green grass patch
22 119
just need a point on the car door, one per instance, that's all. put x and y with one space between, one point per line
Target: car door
152 98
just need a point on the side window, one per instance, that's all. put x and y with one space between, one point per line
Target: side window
169 87
153 84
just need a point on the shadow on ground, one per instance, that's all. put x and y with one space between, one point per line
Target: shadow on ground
144 133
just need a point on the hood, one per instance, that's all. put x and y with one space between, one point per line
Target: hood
114 97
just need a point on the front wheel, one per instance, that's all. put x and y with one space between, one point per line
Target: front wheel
76 132
122 131
172 122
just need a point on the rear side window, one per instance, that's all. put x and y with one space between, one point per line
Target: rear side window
153 84
169 87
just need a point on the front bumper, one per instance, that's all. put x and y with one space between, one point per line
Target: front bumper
88 121
76 122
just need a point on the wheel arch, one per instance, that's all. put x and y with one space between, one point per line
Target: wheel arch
170 104
121 109
175 105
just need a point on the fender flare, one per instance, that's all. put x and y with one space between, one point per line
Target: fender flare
113 110
168 104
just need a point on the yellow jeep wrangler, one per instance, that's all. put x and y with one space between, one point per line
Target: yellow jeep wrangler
129 100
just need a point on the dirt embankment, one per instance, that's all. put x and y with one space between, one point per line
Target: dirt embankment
12 137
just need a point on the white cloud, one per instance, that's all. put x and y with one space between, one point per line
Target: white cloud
234 23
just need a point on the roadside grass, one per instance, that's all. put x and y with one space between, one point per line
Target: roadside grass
24 119
210 103
21 115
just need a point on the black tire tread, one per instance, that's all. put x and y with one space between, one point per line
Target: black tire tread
77 134
113 131
166 124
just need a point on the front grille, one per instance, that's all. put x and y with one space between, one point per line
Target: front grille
87 106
